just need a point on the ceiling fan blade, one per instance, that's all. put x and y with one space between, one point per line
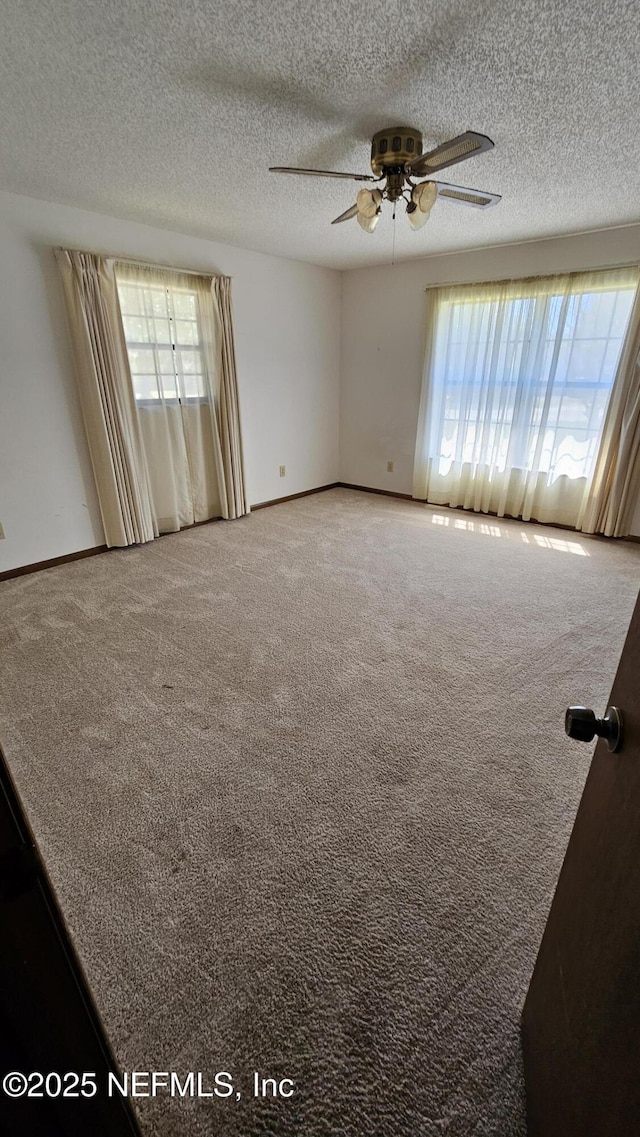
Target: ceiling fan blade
321 173
456 150
480 199
350 212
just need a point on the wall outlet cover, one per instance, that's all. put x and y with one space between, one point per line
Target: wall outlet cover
283 471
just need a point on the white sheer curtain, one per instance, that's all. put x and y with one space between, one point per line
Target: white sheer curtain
518 376
169 326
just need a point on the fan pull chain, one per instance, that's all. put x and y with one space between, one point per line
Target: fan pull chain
393 246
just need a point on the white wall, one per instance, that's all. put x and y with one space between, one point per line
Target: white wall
383 320
287 325
295 369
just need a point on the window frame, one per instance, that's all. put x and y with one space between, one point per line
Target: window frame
178 375
531 290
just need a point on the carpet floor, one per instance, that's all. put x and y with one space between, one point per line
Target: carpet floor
302 787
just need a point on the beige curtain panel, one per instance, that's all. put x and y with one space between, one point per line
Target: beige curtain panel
615 487
106 397
232 485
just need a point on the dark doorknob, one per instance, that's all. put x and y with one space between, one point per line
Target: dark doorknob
581 723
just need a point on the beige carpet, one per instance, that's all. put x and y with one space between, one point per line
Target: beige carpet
302 786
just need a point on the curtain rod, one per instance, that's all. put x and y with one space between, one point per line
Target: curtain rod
167 268
147 264
531 276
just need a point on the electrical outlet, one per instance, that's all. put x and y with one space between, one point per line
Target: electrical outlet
2 532
283 471
389 467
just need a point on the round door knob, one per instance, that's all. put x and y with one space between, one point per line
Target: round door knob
582 724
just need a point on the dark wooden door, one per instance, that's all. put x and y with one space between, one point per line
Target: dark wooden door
48 1021
581 1020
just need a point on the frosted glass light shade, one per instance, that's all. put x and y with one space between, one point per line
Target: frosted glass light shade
417 218
367 223
368 202
423 197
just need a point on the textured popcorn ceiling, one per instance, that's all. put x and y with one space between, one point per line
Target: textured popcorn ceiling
171 112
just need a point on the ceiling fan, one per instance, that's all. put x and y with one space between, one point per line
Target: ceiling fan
396 159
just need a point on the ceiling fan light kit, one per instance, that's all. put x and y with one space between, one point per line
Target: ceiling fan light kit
367 223
368 202
423 195
396 159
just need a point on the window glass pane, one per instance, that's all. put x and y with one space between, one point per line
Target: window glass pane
145 387
603 315
189 361
142 362
184 305
624 303
587 317
193 386
166 361
129 299
136 329
157 302
187 332
569 315
169 387
555 308
574 411
611 357
586 361
598 408
162 329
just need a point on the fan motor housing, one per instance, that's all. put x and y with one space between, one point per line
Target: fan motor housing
394 146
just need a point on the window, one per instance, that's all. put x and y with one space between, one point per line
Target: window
526 380
163 335
517 383
170 331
